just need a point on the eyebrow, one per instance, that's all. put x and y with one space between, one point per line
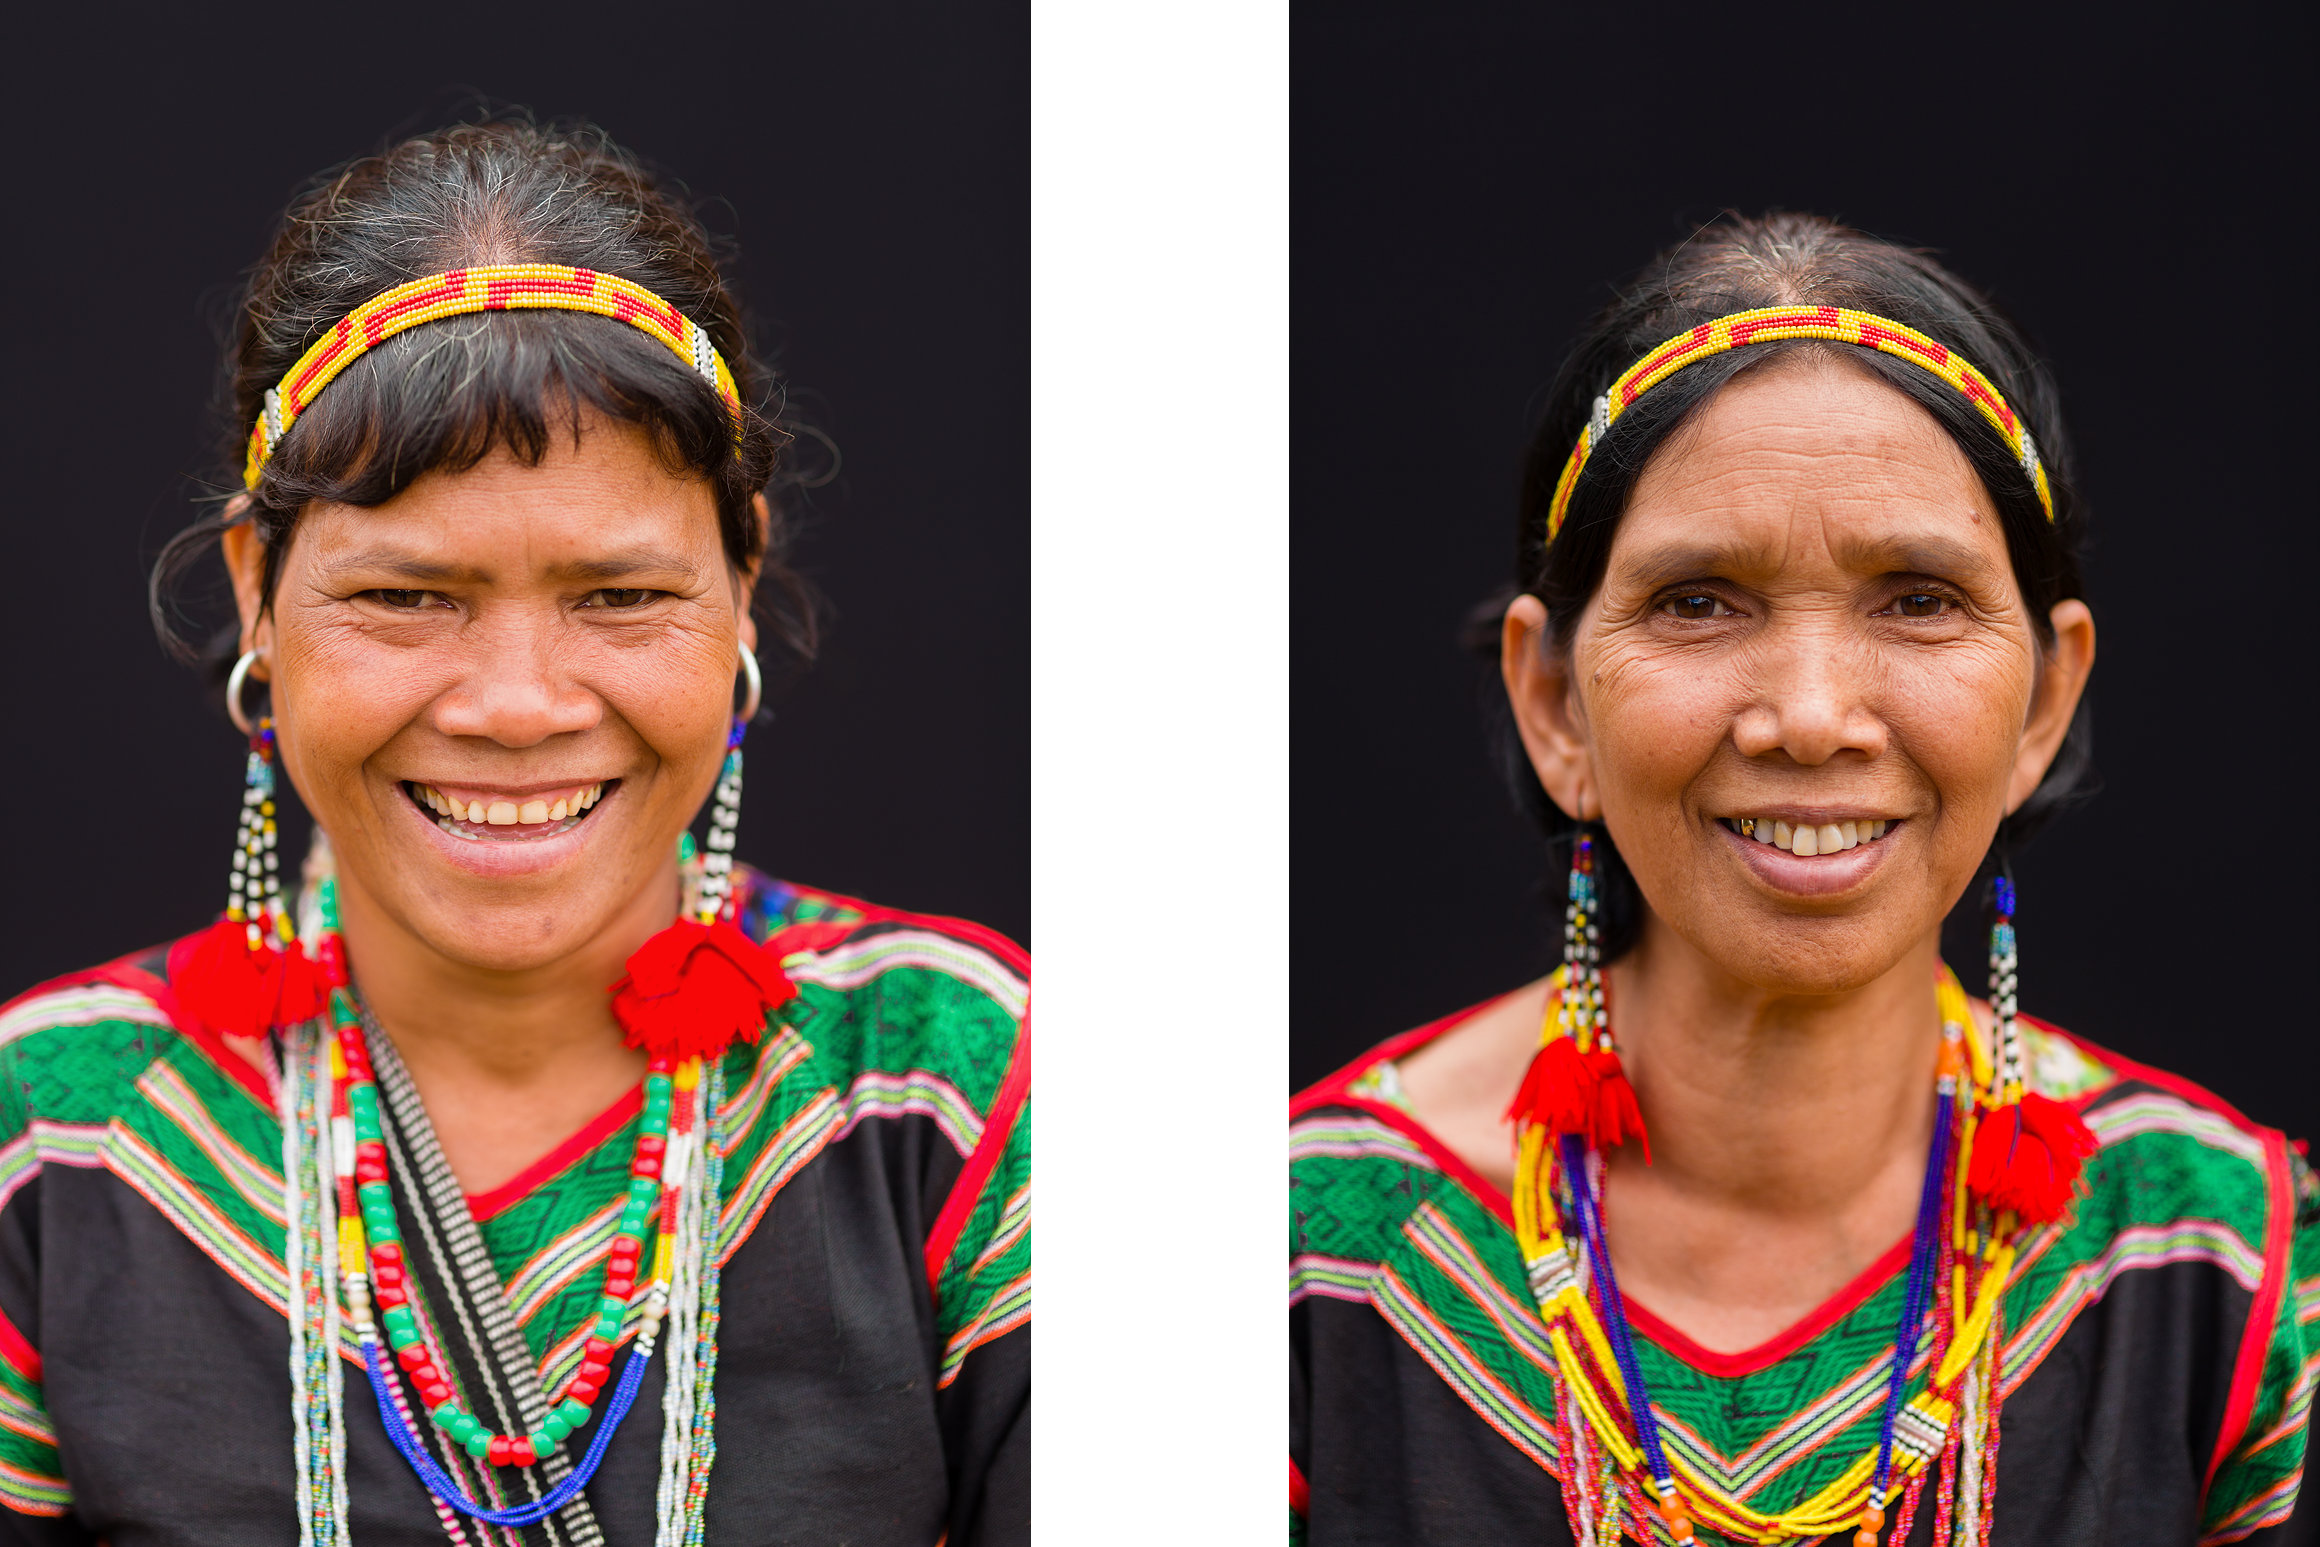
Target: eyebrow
1922 554
617 566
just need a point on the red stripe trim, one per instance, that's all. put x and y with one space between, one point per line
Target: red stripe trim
2127 1069
1766 1354
483 1205
997 1128
1300 1496
17 1351
965 930
2255 1341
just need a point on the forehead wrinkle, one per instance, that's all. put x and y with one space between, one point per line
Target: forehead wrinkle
406 565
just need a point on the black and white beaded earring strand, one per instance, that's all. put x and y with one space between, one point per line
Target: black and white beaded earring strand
254 889
725 808
2005 979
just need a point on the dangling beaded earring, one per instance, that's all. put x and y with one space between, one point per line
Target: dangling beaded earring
1576 1084
725 807
246 974
2030 1148
701 982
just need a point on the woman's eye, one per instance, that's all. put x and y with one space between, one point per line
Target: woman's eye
1696 606
617 597
402 601
1919 604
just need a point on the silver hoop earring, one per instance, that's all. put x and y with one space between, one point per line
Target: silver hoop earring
748 710
241 675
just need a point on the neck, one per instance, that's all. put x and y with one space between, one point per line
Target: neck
537 1029
1769 1105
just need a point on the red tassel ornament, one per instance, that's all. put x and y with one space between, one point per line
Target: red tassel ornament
1558 1090
2027 1158
1617 1117
1566 1091
694 987
241 990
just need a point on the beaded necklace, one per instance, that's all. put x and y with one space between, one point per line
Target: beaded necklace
689 993
1609 1432
372 1271
1615 1472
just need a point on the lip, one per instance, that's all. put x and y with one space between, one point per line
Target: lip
503 861
1822 875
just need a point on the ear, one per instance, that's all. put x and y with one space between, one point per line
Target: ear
245 557
1540 690
2062 673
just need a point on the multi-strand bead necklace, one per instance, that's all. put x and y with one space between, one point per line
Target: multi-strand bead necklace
373 1270
691 991
1616 1474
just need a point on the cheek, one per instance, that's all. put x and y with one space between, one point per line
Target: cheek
1654 721
1960 715
677 695
342 697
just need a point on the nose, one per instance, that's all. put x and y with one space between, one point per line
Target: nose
513 691
1813 698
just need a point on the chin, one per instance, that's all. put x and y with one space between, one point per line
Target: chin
1807 957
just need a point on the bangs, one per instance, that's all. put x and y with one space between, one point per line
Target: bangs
442 397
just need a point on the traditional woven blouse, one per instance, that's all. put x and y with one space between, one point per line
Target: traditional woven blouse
2158 1356
873 1375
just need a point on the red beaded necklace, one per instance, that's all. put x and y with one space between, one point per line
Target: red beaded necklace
371 1252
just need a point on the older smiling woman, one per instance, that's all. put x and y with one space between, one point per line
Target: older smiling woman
1746 1224
548 1157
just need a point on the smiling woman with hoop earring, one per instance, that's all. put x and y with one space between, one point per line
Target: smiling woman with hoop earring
521 1169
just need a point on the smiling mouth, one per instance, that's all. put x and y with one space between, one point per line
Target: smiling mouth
1806 841
508 819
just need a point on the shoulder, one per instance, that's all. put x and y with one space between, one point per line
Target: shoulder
2133 1108
1361 1164
2180 1179
893 995
77 1048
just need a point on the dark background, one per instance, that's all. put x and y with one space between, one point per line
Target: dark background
1468 183
871 160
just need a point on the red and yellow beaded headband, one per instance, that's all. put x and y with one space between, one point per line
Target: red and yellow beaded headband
1769 324
506 287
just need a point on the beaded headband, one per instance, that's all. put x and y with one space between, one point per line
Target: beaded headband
1769 324
506 287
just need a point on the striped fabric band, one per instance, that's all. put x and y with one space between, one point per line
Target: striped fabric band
505 287
1771 324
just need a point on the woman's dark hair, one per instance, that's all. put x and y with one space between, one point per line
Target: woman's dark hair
1778 260
443 395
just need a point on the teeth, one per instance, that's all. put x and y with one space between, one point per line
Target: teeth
1824 838
507 813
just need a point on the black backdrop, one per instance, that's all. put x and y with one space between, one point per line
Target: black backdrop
871 161
1466 185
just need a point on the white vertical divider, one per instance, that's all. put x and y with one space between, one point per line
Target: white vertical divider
1160 230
